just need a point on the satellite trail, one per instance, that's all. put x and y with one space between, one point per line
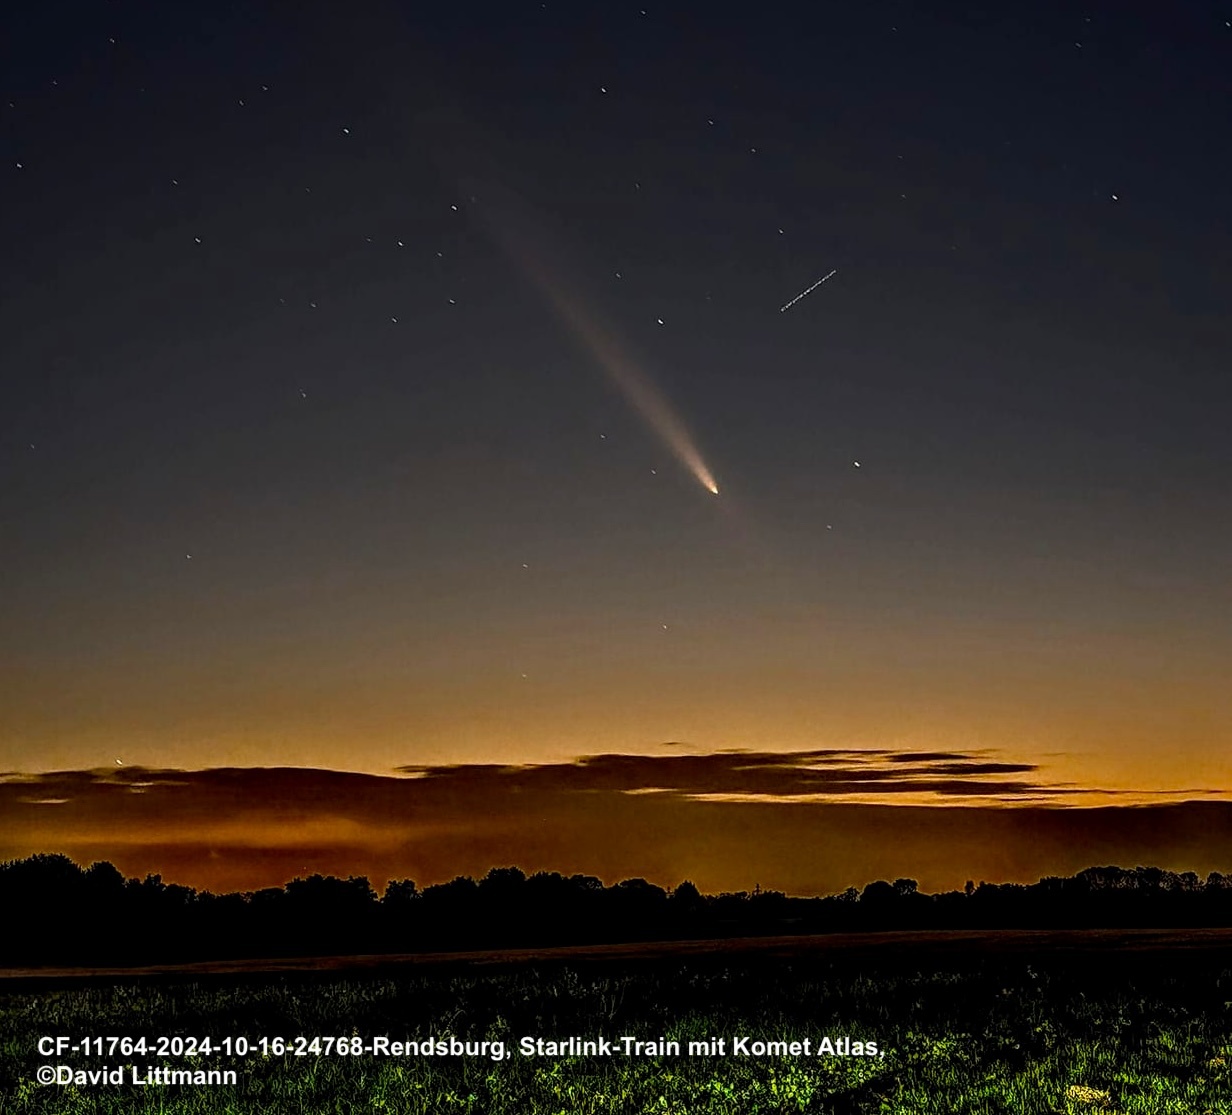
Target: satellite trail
810 290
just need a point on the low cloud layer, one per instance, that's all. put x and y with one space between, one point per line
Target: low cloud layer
804 822
768 775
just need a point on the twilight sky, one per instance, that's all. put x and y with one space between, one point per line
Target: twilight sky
365 369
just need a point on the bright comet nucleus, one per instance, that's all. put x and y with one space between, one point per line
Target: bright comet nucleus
527 246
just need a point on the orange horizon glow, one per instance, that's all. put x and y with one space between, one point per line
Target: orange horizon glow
801 823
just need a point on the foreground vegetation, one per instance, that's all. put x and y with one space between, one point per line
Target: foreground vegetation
1151 1036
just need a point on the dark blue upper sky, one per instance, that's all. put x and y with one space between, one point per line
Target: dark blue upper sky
298 454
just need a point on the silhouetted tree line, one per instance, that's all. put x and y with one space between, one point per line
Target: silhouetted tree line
58 913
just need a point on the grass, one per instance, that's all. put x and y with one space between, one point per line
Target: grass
1004 1036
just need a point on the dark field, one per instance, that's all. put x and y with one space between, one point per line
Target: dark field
963 1023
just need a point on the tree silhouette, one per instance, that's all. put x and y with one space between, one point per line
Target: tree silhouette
143 921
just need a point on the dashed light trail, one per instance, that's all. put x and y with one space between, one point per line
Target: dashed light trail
788 305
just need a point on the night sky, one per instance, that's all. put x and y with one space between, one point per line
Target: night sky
367 369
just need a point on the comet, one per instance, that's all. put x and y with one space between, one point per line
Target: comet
642 394
622 369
